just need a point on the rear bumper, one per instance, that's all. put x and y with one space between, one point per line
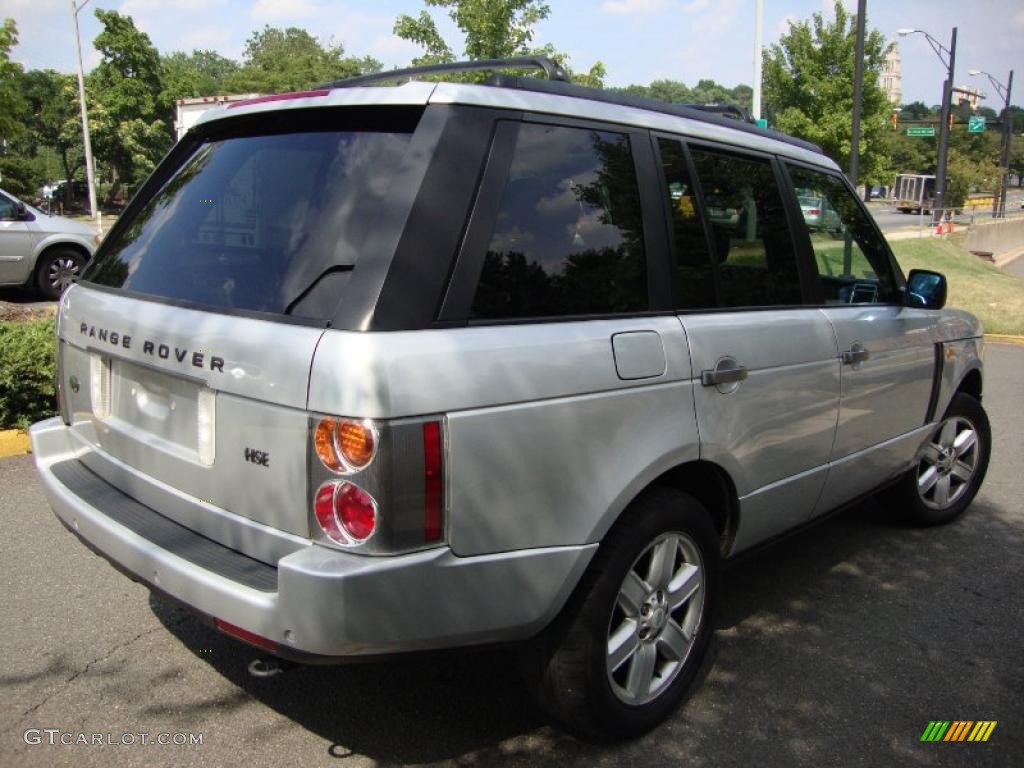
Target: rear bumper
322 603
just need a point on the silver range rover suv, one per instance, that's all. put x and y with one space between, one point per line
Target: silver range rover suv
373 370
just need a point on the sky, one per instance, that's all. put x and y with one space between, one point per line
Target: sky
638 40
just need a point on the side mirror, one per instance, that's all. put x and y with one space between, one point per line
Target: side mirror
925 289
20 211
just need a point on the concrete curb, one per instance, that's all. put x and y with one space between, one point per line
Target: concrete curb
13 442
1004 338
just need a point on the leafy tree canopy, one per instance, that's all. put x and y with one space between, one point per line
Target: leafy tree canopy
705 92
493 29
129 129
11 102
277 60
808 88
200 73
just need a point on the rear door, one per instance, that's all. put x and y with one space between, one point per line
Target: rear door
568 385
888 355
766 377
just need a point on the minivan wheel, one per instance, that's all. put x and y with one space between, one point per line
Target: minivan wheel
950 468
56 270
630 642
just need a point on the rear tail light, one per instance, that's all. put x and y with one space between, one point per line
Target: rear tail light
345 445
390 497
345 512
433 483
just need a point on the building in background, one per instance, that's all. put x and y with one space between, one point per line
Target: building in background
961 94
892 76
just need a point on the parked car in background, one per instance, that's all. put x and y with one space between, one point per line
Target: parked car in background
818 214
44 252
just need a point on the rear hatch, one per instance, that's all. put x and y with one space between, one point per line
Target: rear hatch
185 353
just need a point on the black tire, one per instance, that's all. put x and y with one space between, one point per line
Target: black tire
920 503
56 269
567 666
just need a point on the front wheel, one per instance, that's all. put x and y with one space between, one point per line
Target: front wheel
950 468
631 640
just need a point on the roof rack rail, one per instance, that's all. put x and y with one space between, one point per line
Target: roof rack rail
706 113
552 70
727 110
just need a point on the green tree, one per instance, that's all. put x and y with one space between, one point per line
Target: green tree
129 123
54 125
967 175
11 102
277 60
705 92
493 29
915 110
200 73
808 89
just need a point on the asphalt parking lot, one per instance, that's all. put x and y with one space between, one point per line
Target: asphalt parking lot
834 647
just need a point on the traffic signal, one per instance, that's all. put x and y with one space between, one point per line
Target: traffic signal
894 120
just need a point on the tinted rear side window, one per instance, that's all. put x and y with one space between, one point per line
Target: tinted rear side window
753 246
254 220
568 238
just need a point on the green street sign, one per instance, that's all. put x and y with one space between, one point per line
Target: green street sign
976 124
921 130
762 123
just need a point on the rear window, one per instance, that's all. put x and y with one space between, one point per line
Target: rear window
271 217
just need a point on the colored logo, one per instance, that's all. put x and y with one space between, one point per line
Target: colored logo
958 730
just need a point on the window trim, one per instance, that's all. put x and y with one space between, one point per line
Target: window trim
899 281
469 262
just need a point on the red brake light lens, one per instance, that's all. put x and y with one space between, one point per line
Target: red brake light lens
433 481
345 512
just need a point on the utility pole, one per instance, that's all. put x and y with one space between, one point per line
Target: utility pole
1007 140
758 30
89 169
940 171
858 92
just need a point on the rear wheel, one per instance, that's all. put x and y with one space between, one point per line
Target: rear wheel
950 468
56 270
630 642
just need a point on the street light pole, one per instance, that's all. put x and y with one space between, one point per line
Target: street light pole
1007 140
89 170
947 97
999 206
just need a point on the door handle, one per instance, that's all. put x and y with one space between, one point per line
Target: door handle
711 378
855 354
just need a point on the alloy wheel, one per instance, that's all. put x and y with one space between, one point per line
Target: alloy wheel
655 620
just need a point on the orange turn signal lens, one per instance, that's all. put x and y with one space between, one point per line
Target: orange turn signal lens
345 445
323 439
356 443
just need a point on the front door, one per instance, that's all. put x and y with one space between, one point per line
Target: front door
886 350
